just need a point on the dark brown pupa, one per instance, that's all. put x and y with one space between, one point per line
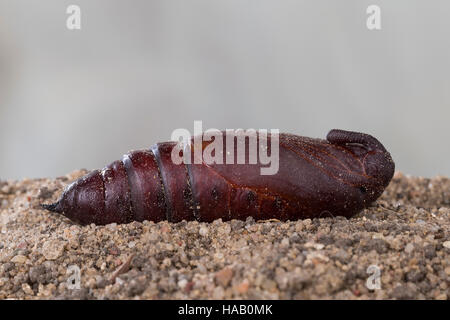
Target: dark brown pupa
338 176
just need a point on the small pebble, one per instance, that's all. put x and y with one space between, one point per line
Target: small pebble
53 249
224 276
19 259
203 231
242 288
409 248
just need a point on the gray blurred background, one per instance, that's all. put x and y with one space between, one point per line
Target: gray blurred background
137 70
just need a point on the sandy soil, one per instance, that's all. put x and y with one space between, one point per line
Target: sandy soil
404 236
